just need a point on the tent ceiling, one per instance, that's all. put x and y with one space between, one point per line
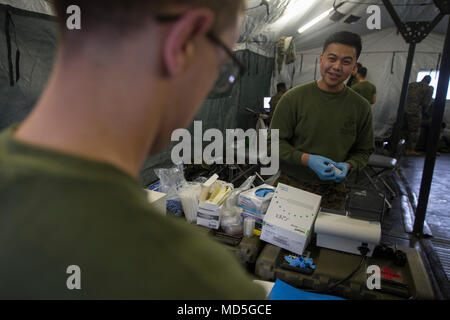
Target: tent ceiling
287 16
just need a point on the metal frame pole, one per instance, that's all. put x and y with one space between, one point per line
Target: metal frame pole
433 139
413 33
395 138
404 94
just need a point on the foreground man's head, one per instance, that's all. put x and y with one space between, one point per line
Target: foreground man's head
136 71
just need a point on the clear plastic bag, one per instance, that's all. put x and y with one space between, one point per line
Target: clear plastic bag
232 221
234 196
171 182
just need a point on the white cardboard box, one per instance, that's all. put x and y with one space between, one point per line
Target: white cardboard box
290 218
158 200
248 200
208 215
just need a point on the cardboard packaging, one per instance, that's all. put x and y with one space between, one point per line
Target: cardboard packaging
210 211
290 218
209 215
158 200
251 202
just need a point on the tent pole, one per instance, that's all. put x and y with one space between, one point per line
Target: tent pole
413 33
395 138
401 109
433 139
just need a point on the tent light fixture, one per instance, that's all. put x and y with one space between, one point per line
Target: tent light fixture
315 21
352 19
337 16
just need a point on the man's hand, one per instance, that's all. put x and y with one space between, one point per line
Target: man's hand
344 167
320 165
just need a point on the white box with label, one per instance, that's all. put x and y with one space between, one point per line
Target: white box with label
290 218
250 200
209 215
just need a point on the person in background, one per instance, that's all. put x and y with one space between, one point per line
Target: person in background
364 87
353 79
425 129
418 100
281 90
325 123
70 194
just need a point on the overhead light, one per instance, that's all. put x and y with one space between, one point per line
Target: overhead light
337 16
352 19
315 21
294 11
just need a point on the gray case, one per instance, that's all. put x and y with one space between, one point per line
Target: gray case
410 281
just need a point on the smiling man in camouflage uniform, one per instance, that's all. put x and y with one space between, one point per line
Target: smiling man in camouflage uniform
325 123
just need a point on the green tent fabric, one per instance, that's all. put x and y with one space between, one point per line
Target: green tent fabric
227 112
35 35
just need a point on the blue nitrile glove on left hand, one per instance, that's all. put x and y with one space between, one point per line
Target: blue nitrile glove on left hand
343 166
320 165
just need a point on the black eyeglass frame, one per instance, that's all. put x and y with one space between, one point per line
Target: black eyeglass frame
212 37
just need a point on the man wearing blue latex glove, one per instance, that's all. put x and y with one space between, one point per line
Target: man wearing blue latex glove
325 128
321 166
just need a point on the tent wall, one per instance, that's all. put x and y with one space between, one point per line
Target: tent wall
384 54
227 112
35 35
38 6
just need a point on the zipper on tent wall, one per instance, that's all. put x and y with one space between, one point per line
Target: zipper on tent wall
8 22
257 64
315 70
300 70
248 62
439 62
301 64
275 61
293 75
392 63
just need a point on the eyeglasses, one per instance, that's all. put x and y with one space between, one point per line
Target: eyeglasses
229 72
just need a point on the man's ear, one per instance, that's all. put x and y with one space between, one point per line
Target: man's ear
355 69
180 45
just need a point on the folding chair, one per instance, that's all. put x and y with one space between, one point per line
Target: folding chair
379 167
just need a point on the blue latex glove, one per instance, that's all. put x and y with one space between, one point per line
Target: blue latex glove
343 166
300 262
320 165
